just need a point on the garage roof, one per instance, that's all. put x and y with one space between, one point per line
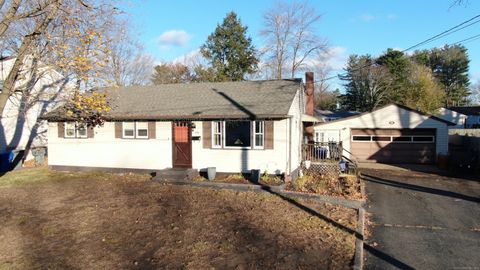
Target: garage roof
394 104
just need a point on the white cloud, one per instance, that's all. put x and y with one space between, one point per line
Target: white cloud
176 38
476 77
190 58
367 17
392 16
335 58
332 61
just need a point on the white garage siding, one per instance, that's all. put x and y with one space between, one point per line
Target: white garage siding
389 117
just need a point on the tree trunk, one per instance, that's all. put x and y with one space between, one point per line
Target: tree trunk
27 43
9 15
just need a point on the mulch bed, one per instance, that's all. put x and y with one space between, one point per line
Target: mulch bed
236 179
347 187
97 221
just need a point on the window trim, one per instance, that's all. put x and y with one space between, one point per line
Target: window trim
392 137
77 129
363 136
424 136
223 141
135 131
255 133
217 146
123 130
76 134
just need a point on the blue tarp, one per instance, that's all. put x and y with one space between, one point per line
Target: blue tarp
6 160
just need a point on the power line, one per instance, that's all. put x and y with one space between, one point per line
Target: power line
444 33
468 25
467 40
435 37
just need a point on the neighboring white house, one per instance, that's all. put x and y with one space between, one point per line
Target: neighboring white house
20 126
233 126
459 119
390 134
472 114
327 115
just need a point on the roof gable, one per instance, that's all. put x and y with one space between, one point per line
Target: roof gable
402 107
471 110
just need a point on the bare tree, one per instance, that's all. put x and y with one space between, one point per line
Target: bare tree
128 65
27 42
475 94
459 3
67 36
289 29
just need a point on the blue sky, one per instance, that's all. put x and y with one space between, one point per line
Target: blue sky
171 29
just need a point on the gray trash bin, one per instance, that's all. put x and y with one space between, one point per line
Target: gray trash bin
211 172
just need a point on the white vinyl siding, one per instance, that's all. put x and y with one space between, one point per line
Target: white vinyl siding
105 151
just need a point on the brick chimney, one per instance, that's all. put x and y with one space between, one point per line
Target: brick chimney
309 89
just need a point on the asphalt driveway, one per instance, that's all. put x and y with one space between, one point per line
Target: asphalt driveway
421 220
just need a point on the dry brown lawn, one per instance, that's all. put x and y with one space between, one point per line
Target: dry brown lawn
54 220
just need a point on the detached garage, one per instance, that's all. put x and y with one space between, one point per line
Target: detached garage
390 134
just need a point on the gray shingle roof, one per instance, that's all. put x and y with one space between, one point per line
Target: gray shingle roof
467 110
223 100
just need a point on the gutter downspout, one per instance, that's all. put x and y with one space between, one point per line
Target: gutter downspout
290 147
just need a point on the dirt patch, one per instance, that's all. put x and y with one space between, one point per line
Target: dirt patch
111 221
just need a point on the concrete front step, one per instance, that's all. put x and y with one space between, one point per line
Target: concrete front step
175 174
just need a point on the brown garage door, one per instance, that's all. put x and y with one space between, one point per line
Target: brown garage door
414 146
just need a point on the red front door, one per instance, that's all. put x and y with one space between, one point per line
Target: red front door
182 145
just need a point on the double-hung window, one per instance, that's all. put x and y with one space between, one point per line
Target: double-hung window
217 134
238 134
141 130
258 134
75 130
135 130
128 130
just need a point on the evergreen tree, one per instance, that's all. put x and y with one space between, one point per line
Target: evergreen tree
366 84
398 66
450 66
230 51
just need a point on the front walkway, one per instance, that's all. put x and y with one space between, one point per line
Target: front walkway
421 220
